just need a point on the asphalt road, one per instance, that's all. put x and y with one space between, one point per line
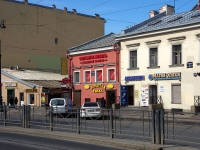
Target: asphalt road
13 141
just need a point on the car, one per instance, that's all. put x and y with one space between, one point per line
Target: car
61 105
90 109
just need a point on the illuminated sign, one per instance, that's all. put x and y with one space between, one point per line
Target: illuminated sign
63 66
96 88
165 76
134 78
31 90
10 84
93 59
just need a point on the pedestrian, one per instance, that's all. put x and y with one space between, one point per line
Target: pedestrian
11 101
16 101
103 103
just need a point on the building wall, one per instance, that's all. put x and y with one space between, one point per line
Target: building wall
190 52
87 90
19 88
29 38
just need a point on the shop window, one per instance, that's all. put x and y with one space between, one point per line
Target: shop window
99 76
87 76
111 75
133 59
153 56
176 54
56 40
77 77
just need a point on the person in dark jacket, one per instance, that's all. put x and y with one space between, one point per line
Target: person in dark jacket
103 102
16 101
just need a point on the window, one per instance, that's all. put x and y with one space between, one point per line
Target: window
176 54
176 94
56 40
87 76
133 59
153 56
111 75
99 76
76 77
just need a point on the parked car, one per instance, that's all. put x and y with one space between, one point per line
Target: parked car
90 109
61 105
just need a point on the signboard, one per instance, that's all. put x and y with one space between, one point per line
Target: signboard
92 73
161 88
136 94
31 90
145 95
134 78
10 84
63 66
189 64
124 98
93 59
65 80
165 76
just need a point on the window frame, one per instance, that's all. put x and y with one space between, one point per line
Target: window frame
130 59
150 56
109 76
74 79
173 55
84 76
96 75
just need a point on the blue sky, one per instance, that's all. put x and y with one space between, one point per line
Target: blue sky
119 14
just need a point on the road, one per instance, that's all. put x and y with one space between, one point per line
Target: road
13 141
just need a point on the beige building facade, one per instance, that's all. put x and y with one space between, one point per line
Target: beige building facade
36 37
162 61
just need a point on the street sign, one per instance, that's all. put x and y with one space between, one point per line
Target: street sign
189 64
65 80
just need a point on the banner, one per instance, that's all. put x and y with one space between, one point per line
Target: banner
145 95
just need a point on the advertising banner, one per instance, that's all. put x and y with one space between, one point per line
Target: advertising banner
145 95
124 98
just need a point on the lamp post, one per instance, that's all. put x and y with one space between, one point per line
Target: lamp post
2 26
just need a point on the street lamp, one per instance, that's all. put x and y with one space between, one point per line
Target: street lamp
1 104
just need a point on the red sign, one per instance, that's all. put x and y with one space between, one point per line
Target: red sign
93 59
65 80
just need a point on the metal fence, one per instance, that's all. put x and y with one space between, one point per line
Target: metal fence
156 126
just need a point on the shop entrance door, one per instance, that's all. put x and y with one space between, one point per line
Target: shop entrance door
110 98
10 94
152 94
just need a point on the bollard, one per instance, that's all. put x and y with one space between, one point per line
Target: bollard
153 125
78 121
5 114
51 118
111 124
158 127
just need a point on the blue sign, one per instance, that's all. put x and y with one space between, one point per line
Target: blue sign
189 64
165 76
123 96
134 78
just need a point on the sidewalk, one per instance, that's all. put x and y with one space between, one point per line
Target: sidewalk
119 143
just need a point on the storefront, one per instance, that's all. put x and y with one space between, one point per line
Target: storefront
95 73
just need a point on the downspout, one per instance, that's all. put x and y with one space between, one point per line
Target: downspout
70 72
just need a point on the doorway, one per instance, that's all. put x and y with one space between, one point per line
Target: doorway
152 94
21 99
10 94
130 95
110 98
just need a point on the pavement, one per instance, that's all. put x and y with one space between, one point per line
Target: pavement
100 140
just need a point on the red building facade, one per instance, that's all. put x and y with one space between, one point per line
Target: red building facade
94 72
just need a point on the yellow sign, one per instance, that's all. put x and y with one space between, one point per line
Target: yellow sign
87 87
110 86
98 91
98 86
31 90
136 93
63 66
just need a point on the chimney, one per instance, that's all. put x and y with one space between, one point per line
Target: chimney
153 13
25 1
74 11
168 9
65 8
97 15
54 6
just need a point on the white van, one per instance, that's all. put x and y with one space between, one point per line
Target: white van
61 105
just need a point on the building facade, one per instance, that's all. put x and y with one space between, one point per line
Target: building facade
37 36
162 65
94 71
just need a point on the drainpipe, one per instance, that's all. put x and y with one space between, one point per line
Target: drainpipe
70 72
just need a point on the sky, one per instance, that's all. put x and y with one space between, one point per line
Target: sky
119 14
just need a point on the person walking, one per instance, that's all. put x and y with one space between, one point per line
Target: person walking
103 103
16 101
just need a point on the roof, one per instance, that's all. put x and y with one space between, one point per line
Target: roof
24 74
46 83
161 21
103 41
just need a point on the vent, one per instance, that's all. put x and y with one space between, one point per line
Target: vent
195 16
175 19
155 22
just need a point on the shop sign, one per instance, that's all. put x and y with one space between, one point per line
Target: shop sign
110 86
145 95
96 88
134 78
63 66
124 98
31 90
93 59
136 93
10 84
189 64
165 76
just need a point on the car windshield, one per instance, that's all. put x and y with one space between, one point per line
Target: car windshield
90 105
57 102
